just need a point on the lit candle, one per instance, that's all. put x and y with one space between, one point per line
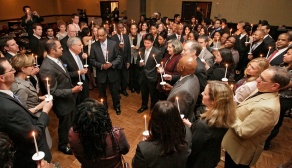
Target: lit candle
268 52
246 37
79 76
154 59
145 123
48 87
226 70
176 98
140 55
36 60
230 31
101 100
163 68
261 55
106 56
161 75
231 86
35 143
86 60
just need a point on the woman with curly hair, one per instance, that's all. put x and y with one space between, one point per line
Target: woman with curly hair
93 139
169 141
210 129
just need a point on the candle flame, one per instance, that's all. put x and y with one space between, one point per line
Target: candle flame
47 79
153 55
33 134
101 100
231 30
144 116
226 65
270 48
176 98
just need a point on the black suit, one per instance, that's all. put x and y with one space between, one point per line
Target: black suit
34 44
126 54
18 122
278 59
64 99
181 39
8 56
110 76
72 67
269 42
28 25
64 42
148 76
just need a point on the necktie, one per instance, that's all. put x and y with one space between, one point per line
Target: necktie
103 48
80 66
146 55
272 55
254 47
16 98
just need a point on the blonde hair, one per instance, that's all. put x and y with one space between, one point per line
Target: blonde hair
222 114
262 64
21 60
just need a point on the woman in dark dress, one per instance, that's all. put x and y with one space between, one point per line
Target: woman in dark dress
210 129
93 139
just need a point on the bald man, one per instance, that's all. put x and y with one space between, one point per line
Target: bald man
187 88
71 32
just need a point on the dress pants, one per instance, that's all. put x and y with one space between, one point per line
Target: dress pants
134 77
148 87
65 122
81 96
124 76
114 89
229 163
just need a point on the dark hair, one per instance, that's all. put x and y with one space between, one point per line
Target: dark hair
166 128
247 27
223 20
163 20
6 151
207 21
196 34
221 32
92 123
227 58
176 15
2 69
49 27
34 26
23 8
149 37
218 20
50 44
267 26
85 31
163 34
74 14
263 22
205 38
3 41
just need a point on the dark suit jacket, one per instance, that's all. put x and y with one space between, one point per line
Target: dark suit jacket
71 65
34 44
269 42
8 56
148 155
97 59
187 90
149 70
206 145
64 42
278 60
60 87
18 122
125 52
174 37
28 25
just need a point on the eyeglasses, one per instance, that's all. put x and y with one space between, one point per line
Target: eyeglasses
101 35
11 70
261 79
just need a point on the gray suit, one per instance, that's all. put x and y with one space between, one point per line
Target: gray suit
187 90
207 56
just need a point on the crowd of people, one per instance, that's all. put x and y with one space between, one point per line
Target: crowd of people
208 85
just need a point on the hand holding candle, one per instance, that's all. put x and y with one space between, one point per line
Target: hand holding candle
268 52
141 60
226 70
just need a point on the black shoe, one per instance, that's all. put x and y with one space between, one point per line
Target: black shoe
142 109
118 111
65 149
125 93
132 90
267 146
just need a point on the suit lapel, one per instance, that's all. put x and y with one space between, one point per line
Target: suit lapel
72 60
100 50
55 65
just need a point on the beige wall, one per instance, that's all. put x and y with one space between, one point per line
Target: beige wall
277 12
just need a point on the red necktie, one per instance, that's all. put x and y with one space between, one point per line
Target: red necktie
272 55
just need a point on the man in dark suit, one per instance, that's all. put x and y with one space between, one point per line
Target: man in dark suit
71 32
19 123
148 73
29 19
34 41
74 63
54 73
125 51
268 40
187 89
106 58
276 57
10 46
178 33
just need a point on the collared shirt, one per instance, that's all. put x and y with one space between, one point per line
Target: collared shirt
38 37
146 55
12 53
57 61
76 59
280 51
182 77
77 26
9 92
